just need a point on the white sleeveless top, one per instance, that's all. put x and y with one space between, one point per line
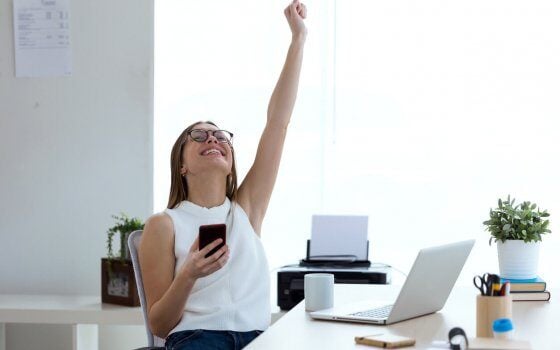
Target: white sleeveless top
237 296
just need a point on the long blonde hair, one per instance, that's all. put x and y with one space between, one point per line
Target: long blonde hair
179 188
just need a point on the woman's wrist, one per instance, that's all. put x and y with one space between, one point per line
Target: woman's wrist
187 279
299 38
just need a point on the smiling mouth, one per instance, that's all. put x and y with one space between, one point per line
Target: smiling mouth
212 151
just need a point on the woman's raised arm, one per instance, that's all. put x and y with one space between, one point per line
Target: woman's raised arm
255 191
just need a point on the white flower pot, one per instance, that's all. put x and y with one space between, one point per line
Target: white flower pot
518 260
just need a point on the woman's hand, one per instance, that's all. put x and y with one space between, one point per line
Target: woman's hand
196 265
295 13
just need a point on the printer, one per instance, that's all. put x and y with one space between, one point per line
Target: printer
290 277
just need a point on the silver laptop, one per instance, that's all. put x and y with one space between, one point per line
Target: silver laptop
425 290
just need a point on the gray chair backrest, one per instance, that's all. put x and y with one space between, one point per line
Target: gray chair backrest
133 243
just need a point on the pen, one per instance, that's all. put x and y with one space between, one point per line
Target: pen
505 289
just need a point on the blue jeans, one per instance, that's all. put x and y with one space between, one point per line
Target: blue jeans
205 339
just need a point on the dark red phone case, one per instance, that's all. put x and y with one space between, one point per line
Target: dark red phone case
208 234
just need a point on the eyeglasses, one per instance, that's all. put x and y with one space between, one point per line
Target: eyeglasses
200 135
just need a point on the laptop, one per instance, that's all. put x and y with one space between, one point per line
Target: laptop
425 290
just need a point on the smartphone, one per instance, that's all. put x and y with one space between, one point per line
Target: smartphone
208 234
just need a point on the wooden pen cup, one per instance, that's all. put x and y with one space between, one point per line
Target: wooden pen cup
488 309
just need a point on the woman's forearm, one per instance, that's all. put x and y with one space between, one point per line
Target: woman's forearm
284 95
167 311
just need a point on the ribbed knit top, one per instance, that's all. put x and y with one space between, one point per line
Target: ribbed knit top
236 297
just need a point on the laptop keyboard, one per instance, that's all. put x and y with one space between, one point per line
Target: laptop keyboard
380 312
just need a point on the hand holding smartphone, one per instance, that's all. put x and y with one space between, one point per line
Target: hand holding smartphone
208 234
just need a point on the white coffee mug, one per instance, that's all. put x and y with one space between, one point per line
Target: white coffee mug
318 290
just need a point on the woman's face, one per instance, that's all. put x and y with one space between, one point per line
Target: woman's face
210 155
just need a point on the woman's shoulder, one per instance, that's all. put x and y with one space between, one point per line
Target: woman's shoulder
160 223
158 235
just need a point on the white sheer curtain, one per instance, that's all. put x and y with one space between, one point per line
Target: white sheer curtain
441 108
419 115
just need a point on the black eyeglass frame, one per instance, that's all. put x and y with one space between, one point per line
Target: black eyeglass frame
211 132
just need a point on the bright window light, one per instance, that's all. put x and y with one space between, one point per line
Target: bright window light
417 114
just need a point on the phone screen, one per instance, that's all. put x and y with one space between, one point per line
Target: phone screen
208 234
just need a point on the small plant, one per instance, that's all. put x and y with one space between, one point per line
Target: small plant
124 225
522 222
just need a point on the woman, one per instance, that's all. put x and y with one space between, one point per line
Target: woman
220 301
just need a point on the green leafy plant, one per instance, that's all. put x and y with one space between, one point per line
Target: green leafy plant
124 225
522 221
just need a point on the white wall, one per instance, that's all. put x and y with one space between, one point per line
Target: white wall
75 150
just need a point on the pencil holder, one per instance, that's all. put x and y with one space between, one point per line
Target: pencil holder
489 309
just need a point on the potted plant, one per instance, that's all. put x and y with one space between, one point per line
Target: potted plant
118 285
517 230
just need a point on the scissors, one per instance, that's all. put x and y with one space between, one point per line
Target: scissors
484 283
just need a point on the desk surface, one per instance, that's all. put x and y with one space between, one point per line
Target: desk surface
65 309
534 321
74 309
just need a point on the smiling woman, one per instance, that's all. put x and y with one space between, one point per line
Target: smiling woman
196 299
185 165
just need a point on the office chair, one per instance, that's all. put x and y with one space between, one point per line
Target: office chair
154 342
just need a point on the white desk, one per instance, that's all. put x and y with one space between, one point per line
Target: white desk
534 321
84 313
